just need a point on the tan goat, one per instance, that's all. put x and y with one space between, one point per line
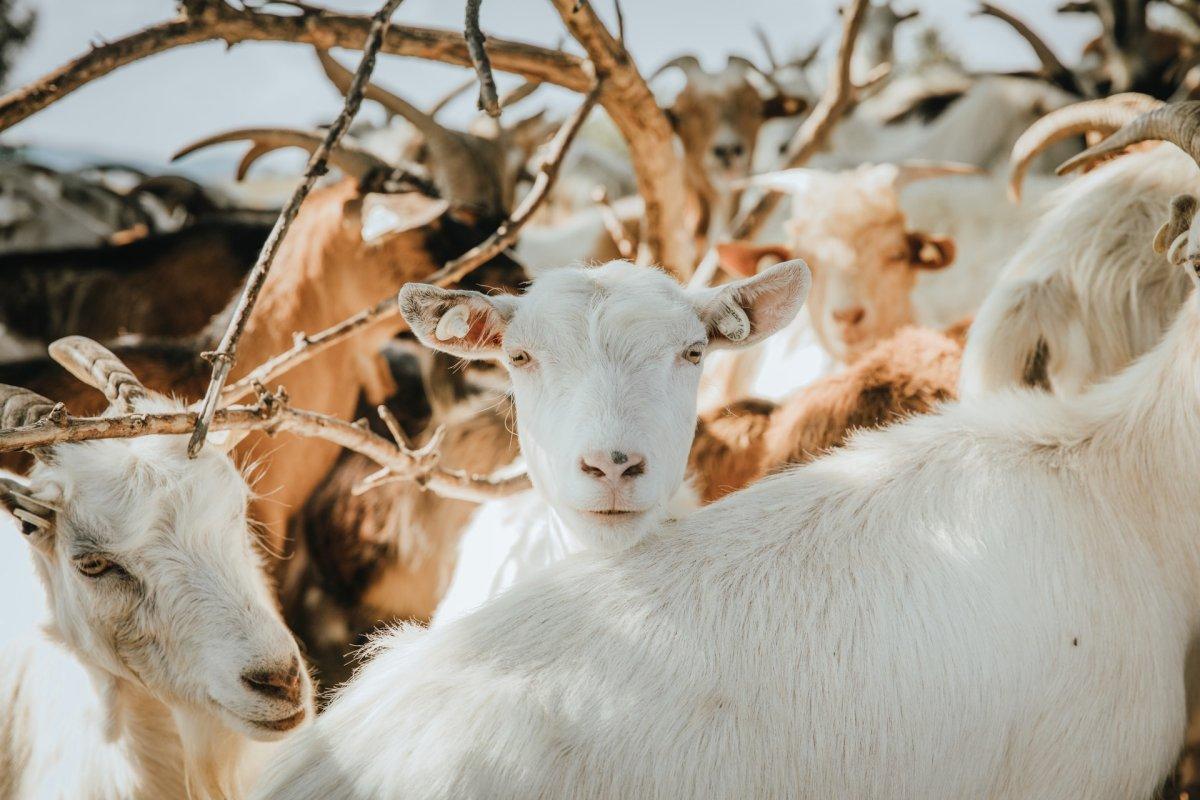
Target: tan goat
909 373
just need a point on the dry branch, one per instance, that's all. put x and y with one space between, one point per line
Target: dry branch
489 101
626 247
1053 69
226 353
305 347
217 20
273 415
632 107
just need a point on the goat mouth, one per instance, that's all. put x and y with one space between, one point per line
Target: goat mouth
614 512
283 724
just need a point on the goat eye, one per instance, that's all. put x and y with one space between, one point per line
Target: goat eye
94 566
694 353
519 358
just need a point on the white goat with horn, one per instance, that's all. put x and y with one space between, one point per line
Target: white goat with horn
605 364
155 589
996 600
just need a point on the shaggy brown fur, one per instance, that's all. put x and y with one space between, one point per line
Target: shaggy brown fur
910 373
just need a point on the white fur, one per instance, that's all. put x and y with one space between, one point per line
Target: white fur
992 601
135 690
1085 282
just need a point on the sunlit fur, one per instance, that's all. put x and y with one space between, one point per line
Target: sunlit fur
164 637
992 601
1085 286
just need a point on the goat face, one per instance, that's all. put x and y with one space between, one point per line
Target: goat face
605 365
152 578
849 227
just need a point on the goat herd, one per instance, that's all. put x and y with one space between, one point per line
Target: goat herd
637 532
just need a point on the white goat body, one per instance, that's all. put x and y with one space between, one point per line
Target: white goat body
995 600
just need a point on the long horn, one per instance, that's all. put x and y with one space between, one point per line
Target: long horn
1178 123
351 160
96 366
341 77
1106 115
518 94
918 170
689 64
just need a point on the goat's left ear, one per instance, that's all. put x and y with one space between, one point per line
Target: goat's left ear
464 324
783 105
928 251
34 514
748 311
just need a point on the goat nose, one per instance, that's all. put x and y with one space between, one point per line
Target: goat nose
728 152
278 682
612 464
850 316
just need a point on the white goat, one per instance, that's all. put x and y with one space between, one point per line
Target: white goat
165 657
996 600
605 363
1085 295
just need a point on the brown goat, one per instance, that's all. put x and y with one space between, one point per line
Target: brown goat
909 373
166 285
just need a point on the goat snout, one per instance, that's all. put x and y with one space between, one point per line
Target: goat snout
729 152
849 316
281 682
613 465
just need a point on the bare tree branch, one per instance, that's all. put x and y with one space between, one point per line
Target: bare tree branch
226 353
489 102
1053 69
273 414
632 107
318 27
449 97
760 33
612 223
305 347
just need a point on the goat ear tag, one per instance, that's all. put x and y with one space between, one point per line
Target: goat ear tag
389 214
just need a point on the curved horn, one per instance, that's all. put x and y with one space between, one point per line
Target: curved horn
917 170
96 366
20 407
747 64
341 77
351 160
1106 115
689 64
1178 123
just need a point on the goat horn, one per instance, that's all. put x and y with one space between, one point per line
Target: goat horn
689 64
917 170
351 160
98 367
20 407
341 78
1179 222
1178 123
520 93
1105 115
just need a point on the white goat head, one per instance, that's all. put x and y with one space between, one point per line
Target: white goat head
718 116
149 566
605 365
850 228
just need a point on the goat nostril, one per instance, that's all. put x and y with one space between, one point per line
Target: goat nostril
588 469
280 683
634 470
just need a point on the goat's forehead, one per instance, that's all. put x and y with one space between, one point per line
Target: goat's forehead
617 300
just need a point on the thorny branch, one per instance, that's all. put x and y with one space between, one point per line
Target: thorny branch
226 353
305 347
273 414
489 102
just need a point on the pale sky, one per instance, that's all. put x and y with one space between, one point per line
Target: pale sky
146 110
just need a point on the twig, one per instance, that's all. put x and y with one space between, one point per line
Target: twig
226 353
1052 68
305 347
760 33
273 414
489 102
318 27
620 24
626 247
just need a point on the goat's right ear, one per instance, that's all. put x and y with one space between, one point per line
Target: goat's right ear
34 514
741 258
385 215
464 324
747 311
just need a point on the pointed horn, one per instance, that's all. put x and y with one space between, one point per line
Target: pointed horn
916 170
689 64
451 96
350 160
96 366
520 93
745 63
1106 116
341 77
1178 123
